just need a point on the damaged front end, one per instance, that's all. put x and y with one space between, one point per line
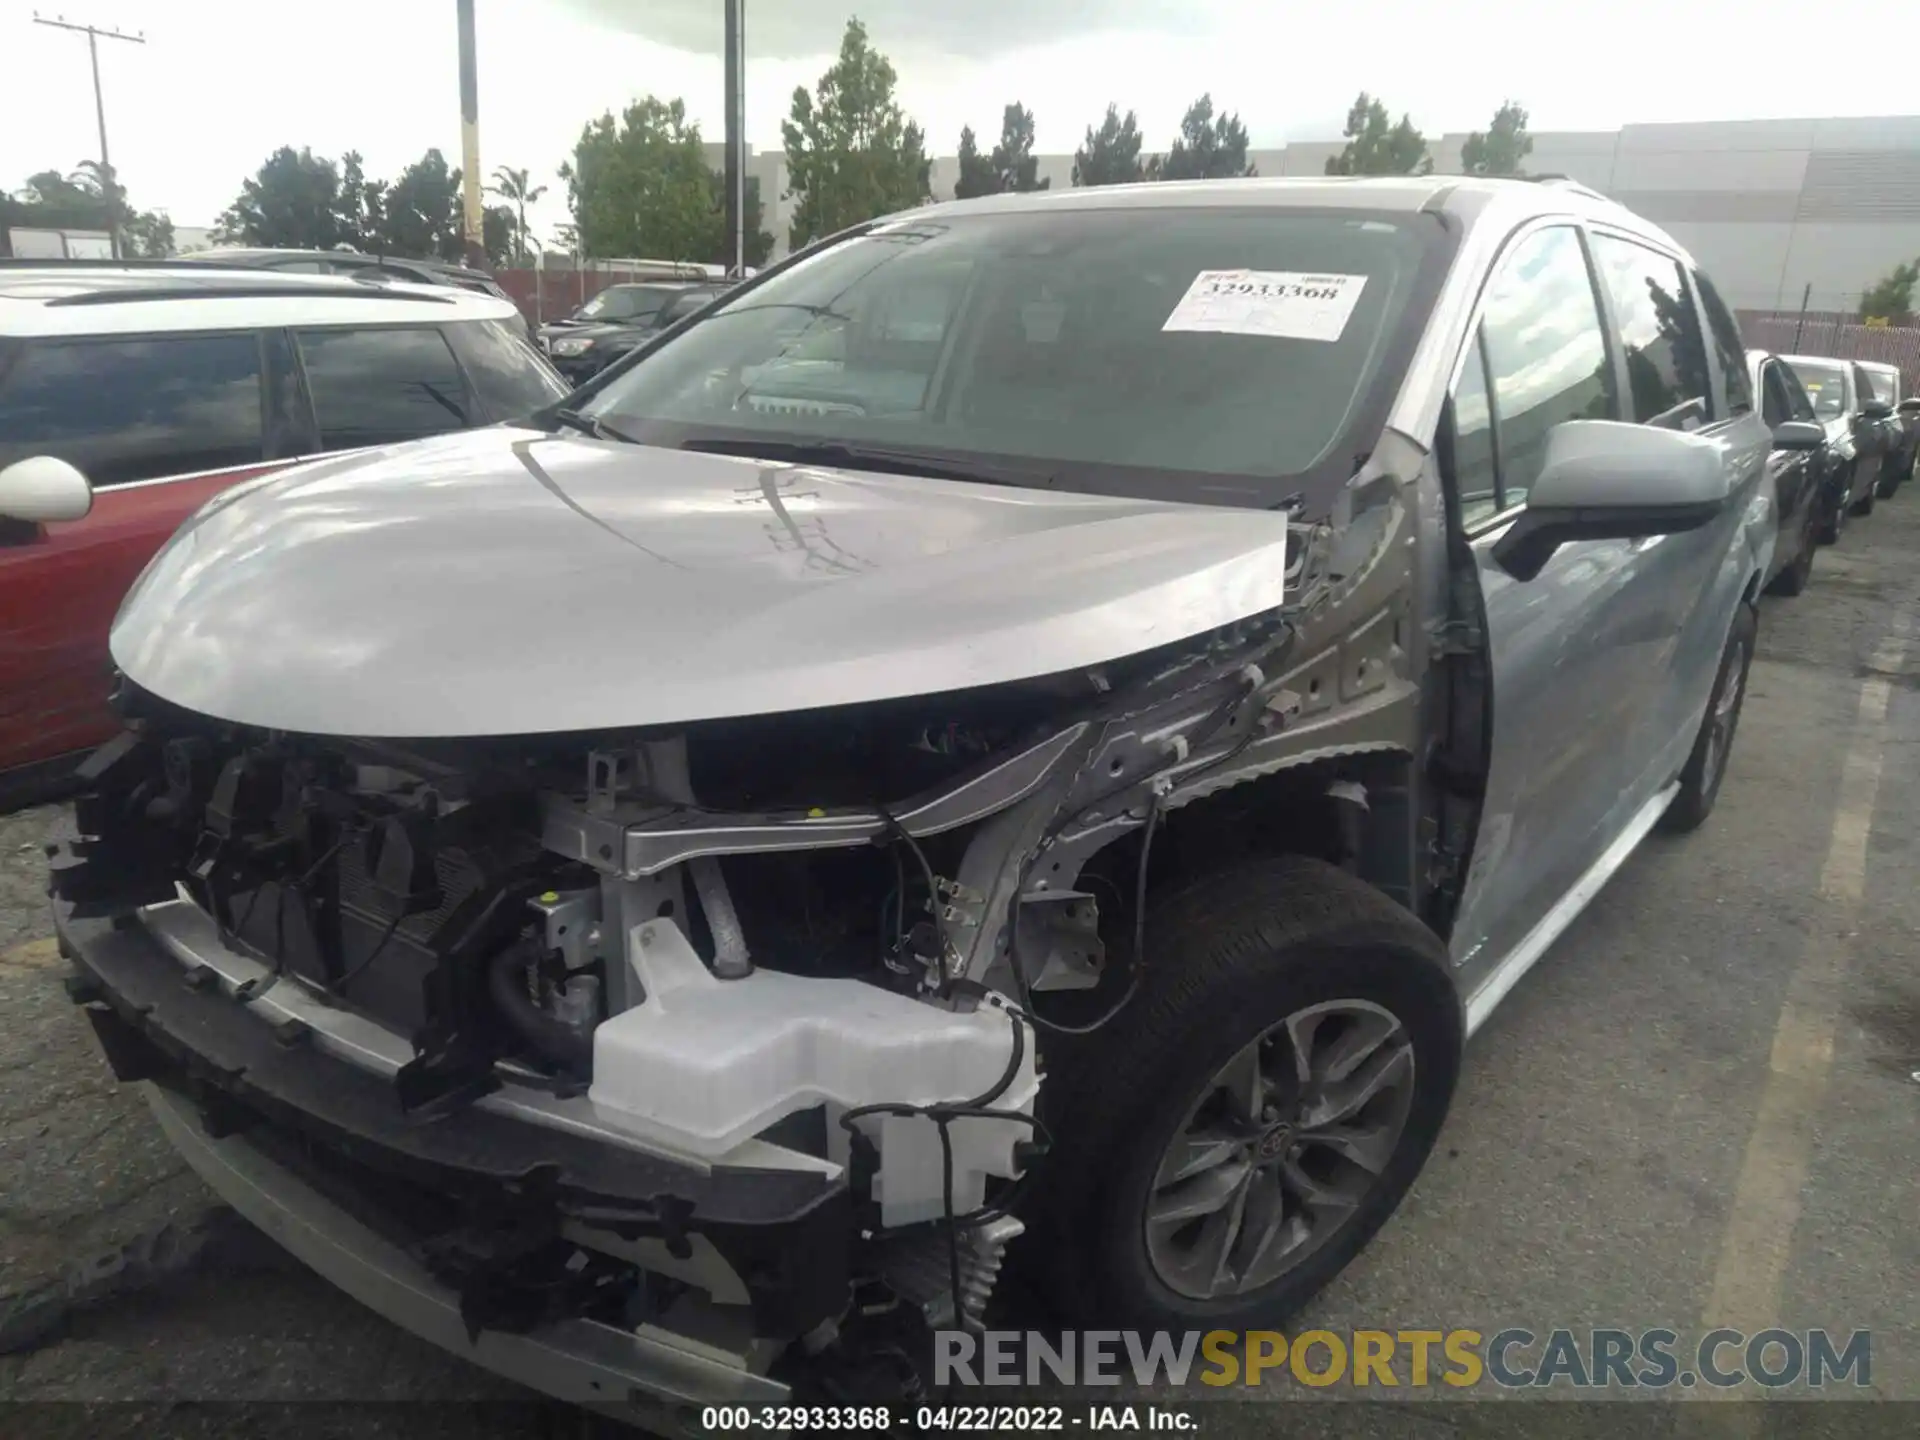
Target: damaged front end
673 1064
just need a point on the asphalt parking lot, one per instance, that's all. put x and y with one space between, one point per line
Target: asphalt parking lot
1700 1109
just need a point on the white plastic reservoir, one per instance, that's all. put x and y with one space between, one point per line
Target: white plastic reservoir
703 1064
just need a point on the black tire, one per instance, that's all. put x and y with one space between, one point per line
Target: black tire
1706 764
1836 522
1231 956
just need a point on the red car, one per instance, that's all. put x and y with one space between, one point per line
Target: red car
130 395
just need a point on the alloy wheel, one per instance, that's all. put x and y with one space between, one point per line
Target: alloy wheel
1281 1148
1726 714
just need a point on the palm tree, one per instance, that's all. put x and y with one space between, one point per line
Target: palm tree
98 179
513 186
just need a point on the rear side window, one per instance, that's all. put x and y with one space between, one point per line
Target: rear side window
1776 402
135 409
1727 345
512 378
377 387
1659 331
684 306
1547 358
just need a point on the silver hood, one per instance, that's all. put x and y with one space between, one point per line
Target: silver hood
509 582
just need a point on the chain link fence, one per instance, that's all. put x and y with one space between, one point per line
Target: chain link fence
1838 333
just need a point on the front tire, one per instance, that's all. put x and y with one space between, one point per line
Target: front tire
1706 766
1241 1131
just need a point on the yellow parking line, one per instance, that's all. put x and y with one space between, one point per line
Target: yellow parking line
34 955
1766 1202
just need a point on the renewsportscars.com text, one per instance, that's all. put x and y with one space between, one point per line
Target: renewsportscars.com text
1595 1358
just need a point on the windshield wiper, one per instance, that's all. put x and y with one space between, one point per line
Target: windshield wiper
586 424
842 456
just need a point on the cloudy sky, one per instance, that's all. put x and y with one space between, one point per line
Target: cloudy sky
221 83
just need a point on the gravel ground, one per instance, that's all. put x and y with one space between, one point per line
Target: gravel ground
1614 1122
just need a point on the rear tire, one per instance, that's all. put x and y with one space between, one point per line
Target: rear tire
1706 766
1251 968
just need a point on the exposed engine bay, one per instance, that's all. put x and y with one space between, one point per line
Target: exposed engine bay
764 1006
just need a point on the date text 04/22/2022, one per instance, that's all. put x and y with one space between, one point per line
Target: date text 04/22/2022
924 1419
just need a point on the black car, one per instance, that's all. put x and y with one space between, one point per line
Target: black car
1801 465
1857 433
1903 427
616 320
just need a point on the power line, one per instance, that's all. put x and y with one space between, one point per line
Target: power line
95 34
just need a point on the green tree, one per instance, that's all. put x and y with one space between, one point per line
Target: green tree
1014 164
1891 296
501 228
640 185
976 170
422 215
852 154
759 243
1504 146
1207 147
360 205
293 201
52 190
1377 146
90 198
1110 155
515 187
149 236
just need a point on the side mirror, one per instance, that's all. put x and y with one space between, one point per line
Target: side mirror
41 488
1798 435
1876 409
1910 407
1608 480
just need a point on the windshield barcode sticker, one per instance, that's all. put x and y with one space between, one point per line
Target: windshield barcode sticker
1286 304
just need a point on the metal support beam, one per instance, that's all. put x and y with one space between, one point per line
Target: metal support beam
115 220
470 180
736 136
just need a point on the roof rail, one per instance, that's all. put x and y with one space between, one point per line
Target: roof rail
262 290
66 262
1566 182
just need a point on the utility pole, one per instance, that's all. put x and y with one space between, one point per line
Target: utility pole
736 136
476 223
93 34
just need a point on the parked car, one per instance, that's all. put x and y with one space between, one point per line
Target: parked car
1843 402
1902 426
1799 468
791 847
616 320
130 396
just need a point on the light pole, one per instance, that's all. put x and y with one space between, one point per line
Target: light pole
476 224
93 34
736 136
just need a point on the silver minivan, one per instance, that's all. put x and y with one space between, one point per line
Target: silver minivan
1029 734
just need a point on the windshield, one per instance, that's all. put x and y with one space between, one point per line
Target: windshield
1203 354
1826 387
623 302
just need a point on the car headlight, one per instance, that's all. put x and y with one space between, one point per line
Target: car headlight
572 347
